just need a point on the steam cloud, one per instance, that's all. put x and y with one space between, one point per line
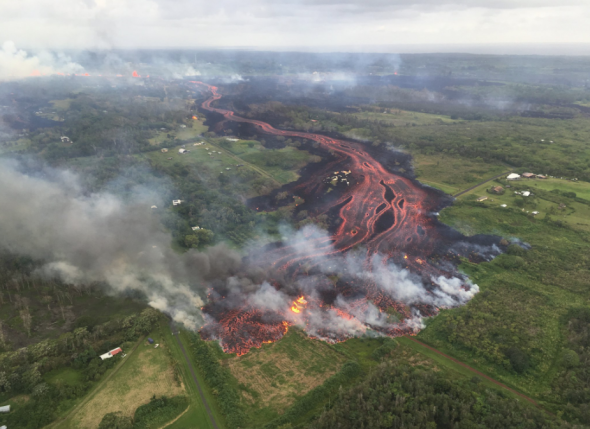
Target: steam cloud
16 63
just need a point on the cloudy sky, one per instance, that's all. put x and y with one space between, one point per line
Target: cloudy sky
280 24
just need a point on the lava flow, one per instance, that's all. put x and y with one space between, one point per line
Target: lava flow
385 263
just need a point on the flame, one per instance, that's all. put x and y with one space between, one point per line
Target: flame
298 305
195 118
135 74
35 73
405 256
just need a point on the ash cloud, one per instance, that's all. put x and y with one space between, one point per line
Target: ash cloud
86 238
17 63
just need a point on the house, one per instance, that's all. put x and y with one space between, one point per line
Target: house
513 176
65 139
154 207
535 213
111 353
497 190
182 150
182 126
503 205
195 228
525 193
541 176
529 175
5 409
562 206
232 140
164 150
480 199
176 202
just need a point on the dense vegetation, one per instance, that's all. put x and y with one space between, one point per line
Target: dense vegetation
152 415
398 395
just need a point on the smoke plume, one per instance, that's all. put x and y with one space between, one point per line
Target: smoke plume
101 238
16 63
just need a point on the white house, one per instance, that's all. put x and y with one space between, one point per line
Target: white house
111 353
513 176
181 150
5 409
176 202
195 228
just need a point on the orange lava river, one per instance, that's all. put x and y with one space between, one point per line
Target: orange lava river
379 212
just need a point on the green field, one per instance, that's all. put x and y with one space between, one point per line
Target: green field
142 374
453 174
271 378
547 203
243 161
399 118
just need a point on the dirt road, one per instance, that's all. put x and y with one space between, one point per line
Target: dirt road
481 183
532 401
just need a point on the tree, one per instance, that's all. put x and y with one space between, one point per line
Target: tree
191 241
115 421
27 320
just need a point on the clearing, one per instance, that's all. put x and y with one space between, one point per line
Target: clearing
273 377
146 373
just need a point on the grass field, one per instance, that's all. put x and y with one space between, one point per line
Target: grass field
453 174
238 161
575 214
145 373
271 378
400 118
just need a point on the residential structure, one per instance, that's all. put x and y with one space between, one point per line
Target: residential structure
112 353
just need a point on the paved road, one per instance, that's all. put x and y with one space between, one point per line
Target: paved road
479 184
481 374
192 370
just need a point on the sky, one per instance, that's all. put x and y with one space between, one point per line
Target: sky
354 25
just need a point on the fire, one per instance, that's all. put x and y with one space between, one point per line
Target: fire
135 74
195 118
298 305
35 73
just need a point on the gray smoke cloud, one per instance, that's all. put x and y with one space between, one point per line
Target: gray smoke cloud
102 238
17 63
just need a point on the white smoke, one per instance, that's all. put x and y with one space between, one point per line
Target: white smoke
17 63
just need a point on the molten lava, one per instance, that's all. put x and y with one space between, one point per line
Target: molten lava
376 210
